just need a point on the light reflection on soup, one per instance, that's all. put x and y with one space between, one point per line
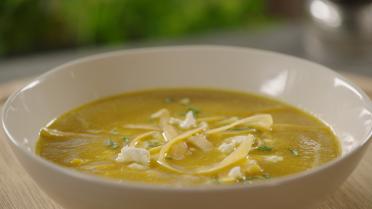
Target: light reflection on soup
188 137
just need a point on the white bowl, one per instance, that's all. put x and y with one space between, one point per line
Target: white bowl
334 99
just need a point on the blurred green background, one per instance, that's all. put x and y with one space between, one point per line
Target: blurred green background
28 26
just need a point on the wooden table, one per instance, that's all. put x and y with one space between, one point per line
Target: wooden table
19 191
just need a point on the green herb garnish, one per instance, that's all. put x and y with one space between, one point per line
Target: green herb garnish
168 100
264 148
294 151
195 111
111 144
125 139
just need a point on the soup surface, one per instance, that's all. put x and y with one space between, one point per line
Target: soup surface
188 137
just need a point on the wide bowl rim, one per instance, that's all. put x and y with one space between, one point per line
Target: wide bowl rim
204 188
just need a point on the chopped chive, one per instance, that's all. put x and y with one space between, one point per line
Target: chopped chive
294 151
125 139
168 100
264 148
195 111
111 144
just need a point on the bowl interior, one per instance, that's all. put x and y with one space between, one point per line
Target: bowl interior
307 85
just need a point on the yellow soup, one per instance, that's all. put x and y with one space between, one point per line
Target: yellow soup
188 137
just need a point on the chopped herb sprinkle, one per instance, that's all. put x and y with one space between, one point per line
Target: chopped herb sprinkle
264 148
294 151
125 139
195 111
111 144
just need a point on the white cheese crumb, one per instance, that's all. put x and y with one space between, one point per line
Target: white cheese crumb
226 147
273 158
133 154
137 166
232 142
235 173
189 121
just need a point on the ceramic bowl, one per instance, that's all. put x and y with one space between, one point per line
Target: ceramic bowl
312 87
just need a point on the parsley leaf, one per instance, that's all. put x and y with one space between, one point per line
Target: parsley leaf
195 111
264 148
125 139
111 144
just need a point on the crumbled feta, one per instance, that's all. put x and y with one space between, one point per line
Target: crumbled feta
133 154
226 147
137 166
232 142
273 158
189 121
235 173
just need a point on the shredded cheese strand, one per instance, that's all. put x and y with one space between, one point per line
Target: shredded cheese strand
240 153
136 140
